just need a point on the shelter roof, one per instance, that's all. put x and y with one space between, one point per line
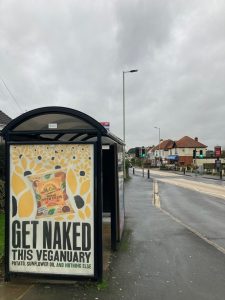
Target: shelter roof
58 124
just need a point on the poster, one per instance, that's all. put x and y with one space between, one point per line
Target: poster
52 209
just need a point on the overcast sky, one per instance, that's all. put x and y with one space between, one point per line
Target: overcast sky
72 53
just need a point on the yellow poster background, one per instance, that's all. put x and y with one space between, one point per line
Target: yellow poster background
30 160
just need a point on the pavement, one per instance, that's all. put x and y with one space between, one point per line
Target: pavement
201 175
194 175
158 258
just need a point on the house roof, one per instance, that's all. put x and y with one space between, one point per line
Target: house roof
188 142
164 145
4 119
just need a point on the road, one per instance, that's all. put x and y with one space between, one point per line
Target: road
199 206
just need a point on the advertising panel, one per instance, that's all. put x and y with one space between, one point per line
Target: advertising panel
51 226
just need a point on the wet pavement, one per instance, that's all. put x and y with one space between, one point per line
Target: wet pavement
157 259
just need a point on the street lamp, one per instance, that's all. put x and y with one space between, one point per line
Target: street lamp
124 121
159 139
124 129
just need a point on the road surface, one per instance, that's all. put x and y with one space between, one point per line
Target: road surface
197 205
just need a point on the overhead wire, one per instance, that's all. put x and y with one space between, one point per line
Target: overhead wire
11 94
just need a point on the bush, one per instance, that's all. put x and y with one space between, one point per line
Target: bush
163 167
209 166
147 164
132 161
2 195
138 162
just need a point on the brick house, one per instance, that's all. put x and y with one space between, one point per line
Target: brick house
180 152
159 153
185 147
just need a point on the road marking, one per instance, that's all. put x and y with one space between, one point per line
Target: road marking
204 188
156 203
221 249
156 199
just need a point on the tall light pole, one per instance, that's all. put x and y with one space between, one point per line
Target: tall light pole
124 118
159 139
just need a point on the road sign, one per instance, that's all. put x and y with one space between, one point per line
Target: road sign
105 124
217 151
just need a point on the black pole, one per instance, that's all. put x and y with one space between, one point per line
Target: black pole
148 174
98 253
7 207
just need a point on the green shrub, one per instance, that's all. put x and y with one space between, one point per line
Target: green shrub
147 164
163 167
138 162
132 161
209 166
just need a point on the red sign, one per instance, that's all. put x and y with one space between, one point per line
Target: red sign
217 151
105 124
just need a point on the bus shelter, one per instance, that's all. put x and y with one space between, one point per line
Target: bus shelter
63 171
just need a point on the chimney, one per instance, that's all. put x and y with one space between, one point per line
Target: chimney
196 139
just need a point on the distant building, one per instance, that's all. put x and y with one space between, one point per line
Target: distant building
159 153
177 152
185 148
4 120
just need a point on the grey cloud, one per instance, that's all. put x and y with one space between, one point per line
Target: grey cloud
72 53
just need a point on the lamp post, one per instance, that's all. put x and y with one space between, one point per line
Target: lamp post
124 118
159 139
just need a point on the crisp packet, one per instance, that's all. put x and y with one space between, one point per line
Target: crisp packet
50 193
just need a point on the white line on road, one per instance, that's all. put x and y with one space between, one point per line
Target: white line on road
221 249
209 189
156 202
